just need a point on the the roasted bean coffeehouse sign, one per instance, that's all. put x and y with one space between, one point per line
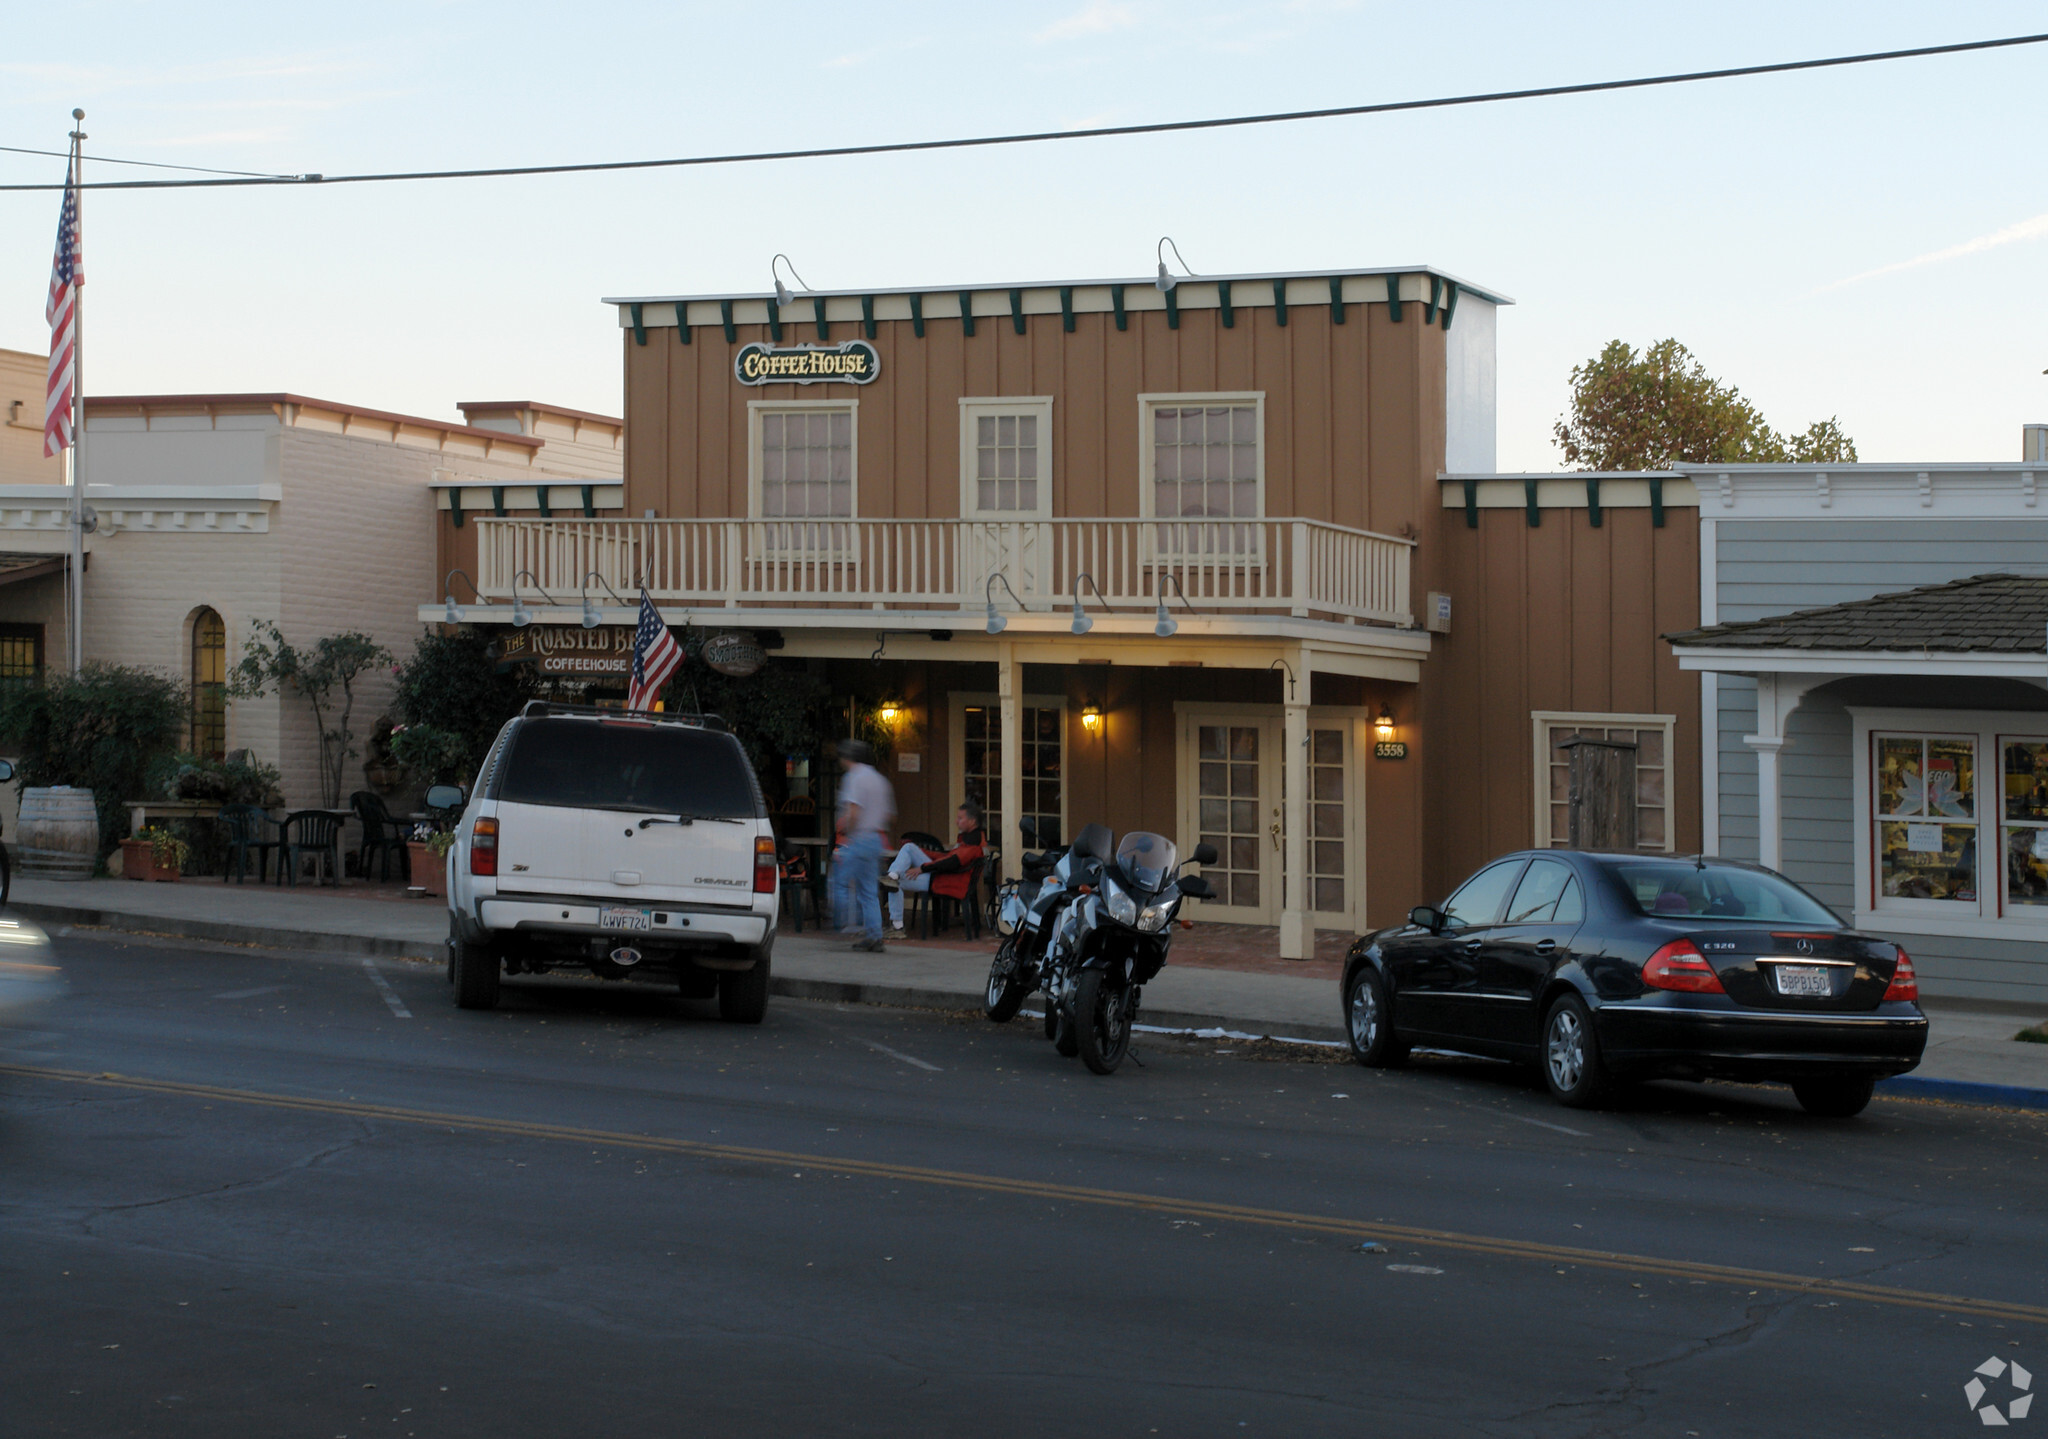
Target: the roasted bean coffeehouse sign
571 652
854 363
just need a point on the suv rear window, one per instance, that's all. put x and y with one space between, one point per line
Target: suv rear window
643 768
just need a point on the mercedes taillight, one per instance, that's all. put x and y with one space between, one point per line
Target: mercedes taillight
1680 966
1905 985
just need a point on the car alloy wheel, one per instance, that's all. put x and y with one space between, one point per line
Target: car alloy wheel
1366 1018
1564 1049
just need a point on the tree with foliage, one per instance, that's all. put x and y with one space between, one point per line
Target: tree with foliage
1653 410
324 674
105 728
772 712
451 685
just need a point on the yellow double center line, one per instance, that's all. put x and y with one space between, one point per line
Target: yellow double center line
1552 1254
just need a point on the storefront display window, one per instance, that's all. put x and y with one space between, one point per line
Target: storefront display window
1924 809
2026 822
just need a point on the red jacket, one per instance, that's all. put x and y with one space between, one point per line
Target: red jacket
951 871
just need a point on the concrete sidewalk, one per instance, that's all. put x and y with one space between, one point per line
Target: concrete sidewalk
1970 1054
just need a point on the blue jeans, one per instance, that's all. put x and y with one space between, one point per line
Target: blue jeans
856 877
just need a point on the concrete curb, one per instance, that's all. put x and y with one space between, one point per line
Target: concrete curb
308 940
1964 1091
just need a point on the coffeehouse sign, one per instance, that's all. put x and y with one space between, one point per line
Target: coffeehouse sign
571 652
854 363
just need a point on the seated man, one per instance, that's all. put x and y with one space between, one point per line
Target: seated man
945 874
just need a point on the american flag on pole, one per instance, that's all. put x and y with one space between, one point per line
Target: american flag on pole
67 273
655 656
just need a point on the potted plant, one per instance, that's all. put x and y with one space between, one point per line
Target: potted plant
429 862
155 853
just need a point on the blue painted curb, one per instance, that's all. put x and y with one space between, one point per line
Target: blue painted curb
2009 1096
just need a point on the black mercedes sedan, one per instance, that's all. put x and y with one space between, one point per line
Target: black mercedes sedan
1607 968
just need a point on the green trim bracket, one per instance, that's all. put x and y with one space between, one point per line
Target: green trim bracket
639 326
732 335
775 322
455 506
1173 308
1394 298
1017 311
917 316
1593 501
1535 515
1657 502
967 313
682 322
1067 308
1471 504
1223 302
1280 303
867 316
1450 301
1336 299
1436 295
540 493
498 501
818 309
589 501
1116 300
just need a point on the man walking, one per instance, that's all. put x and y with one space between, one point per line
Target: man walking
866 807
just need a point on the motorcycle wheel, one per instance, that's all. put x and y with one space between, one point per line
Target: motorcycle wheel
1102 1015
1005 985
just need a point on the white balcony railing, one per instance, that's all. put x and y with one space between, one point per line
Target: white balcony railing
1298 567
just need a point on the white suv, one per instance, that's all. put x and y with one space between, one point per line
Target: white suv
634 845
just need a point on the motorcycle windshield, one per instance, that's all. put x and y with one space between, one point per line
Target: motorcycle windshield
1146 859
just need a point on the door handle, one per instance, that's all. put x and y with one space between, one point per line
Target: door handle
1275 832
1471 946
1546 946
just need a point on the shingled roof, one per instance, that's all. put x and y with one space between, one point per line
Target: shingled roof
1999 613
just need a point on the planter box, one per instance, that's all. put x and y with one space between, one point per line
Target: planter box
138 861
429 871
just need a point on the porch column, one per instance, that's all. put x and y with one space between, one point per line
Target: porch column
1297 924
1777 696
1010 713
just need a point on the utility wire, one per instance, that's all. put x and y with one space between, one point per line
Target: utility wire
1096 133
152 164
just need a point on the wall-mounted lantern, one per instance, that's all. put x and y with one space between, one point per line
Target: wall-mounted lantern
888 712
1383 727
1091 720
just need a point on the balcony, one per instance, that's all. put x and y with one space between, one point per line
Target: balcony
1304 568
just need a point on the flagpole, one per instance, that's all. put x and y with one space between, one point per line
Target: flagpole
75 621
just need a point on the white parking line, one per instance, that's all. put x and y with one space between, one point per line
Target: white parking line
250 993
899 1054
1546 1124
384 988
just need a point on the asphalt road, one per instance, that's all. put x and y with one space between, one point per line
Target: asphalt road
245 1193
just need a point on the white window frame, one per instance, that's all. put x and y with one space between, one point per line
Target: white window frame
956 743
1541 722
973 408
1984 917
756 411
1147 457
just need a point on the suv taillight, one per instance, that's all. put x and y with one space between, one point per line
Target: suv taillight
1680 966
764 865
1905 985
483 847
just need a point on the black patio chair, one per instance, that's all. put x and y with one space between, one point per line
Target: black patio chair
247 828
313 834
383 837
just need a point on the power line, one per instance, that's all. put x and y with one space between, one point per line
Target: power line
1096 133
152 164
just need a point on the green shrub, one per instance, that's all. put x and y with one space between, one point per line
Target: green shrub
104 729
451 685
218 781
433 754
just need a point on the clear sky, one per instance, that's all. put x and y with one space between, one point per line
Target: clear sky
1865 243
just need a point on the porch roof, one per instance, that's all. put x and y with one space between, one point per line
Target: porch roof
1991 623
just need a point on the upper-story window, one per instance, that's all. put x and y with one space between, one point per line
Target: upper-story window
1204 456
803 459
1006 458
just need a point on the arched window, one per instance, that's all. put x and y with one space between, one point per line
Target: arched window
209 685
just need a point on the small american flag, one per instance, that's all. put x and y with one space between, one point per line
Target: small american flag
655 656
67 273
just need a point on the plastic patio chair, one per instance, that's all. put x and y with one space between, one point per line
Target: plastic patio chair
245 826
311 834
383 837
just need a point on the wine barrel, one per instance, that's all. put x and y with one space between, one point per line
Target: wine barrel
58 833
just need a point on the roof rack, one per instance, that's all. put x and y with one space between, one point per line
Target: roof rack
537 709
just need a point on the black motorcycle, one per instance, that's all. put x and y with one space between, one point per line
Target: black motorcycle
1096 931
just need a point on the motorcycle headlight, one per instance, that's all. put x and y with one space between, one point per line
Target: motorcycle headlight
1156 917
1122 908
